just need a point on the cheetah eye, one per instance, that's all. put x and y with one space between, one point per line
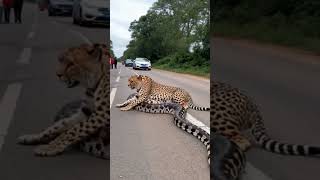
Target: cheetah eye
69 65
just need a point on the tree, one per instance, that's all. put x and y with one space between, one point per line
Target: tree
170 26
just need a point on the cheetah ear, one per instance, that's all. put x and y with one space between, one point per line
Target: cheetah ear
139 77
96 51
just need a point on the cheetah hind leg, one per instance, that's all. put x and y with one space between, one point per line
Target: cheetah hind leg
131 98
242 141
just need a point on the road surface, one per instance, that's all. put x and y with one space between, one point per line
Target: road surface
30 95
286 86
147 146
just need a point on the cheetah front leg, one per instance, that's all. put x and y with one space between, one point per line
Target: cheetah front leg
126 103
130 99
134 103
53 131
75 134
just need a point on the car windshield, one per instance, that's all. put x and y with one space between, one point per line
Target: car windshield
128 60
142 60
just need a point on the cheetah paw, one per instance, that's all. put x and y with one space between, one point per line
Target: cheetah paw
125 108
48 150
119 105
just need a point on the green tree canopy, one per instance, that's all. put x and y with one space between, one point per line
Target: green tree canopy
170 26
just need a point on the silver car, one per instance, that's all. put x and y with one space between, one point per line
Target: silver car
91 12
141 63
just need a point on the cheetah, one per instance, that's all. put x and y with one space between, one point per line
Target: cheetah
155 92
84 65
232 112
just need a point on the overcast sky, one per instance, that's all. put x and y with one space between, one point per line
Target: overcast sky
122 13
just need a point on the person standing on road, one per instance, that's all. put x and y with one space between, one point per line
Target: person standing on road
1 10
115 63
17 5
7 4
111 62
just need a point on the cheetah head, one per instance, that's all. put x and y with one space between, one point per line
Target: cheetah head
135 82
81 65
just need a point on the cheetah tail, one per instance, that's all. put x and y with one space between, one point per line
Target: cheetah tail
196 131
259 132
198 108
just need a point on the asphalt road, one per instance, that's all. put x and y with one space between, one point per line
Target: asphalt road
147 146
30 95
285 84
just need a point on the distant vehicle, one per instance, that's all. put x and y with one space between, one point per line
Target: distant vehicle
128 63
60 7
91 12
142 63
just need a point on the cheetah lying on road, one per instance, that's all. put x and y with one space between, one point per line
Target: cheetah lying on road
83 65
153 92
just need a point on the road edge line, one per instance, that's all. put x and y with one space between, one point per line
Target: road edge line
112 95
25 56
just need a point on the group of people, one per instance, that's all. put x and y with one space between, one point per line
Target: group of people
113 62
5 9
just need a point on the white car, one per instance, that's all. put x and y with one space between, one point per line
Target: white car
91 12
141 63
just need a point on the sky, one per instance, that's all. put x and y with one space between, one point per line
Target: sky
122 13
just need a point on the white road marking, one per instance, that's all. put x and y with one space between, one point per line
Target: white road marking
31 35
84 38
198 123
112 95
120 70
118 79
7 107
25 56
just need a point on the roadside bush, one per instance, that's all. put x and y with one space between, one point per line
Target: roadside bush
185 62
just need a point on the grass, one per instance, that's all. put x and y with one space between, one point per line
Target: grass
197 71
285 35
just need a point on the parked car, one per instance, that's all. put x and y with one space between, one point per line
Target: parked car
60 7
91 12
128 63
141 63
